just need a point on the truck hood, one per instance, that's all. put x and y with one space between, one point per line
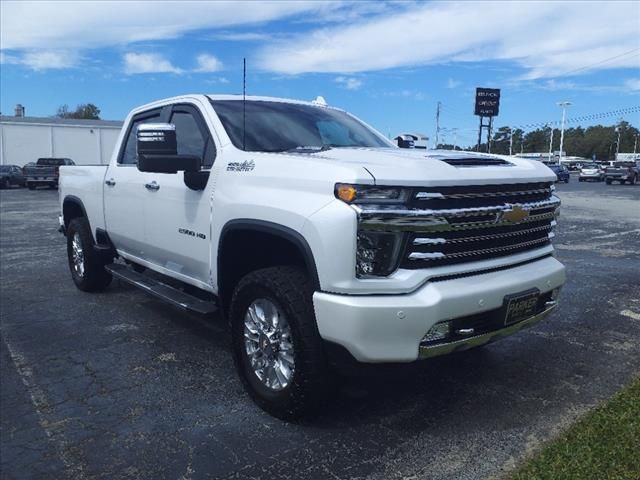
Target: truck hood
412 167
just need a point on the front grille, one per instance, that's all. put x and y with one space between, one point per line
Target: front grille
452 225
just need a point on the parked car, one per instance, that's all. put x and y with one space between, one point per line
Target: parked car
623 172
322 244
591 171
45 172
562 173
11 175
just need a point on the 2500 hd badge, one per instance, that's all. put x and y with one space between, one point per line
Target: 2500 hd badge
191 233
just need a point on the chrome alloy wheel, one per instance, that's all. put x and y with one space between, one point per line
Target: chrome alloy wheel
77 255
268 344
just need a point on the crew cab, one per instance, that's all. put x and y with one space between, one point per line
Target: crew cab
45 172
319 240
623 172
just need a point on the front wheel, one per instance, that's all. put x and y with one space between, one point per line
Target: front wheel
86 265
608 181
277 349
31 186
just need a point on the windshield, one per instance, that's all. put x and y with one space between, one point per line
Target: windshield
283 127
590 165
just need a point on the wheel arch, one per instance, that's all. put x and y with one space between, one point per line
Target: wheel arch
72 207
236 257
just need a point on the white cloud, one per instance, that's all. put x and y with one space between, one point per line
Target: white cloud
633 84
86 25
406 93
350 83
42 60
451 83
207 63
242 37
135 63
546 38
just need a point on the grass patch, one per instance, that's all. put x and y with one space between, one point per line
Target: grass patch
604 445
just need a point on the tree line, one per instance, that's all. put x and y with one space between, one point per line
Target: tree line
597 141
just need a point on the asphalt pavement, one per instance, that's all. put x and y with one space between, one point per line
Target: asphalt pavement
118 385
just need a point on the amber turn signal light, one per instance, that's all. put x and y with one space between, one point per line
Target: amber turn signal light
346 193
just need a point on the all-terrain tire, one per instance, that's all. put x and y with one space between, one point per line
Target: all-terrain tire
92 276
290 290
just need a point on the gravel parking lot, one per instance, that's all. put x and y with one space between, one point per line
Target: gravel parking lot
119 385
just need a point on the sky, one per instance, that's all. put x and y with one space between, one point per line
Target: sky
389 63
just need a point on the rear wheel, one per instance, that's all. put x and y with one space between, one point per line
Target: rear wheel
608 181
277 349
31 186
86 265
4 183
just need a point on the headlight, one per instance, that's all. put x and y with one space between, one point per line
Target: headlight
357 194
377 253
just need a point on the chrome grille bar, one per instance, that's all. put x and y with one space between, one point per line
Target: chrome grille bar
437 220
479 238
473 253
522 193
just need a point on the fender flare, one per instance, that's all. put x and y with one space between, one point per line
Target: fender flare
277 230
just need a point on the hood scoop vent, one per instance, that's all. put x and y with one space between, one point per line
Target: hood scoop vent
475 161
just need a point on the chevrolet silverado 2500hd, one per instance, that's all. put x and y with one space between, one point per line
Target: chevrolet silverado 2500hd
317 238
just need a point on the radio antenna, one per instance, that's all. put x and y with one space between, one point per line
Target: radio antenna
244 103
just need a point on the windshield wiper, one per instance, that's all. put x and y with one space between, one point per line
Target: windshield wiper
309 148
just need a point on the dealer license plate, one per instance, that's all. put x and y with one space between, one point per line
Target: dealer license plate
521 306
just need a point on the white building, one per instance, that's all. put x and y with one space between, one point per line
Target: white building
25 139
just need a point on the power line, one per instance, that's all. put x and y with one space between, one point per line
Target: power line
606 60
592 116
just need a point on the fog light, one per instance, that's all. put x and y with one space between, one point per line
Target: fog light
440 331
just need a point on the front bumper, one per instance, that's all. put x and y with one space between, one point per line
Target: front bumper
389 328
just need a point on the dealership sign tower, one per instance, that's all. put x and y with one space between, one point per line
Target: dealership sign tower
487 106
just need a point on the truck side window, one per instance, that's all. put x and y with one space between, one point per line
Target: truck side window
190 139
128 156
192 134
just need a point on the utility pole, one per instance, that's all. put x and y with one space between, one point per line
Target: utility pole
510 141
635 144
455 139
437 124
551 145
564 106
618 131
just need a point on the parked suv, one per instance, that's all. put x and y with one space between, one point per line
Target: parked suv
11 175
319 240
562 173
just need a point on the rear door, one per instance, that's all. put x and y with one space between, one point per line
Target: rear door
125 192
178 219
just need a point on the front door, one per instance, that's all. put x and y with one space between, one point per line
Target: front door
178 219
125 193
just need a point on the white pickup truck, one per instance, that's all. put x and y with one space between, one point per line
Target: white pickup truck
318 239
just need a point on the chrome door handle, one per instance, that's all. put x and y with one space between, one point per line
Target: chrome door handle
152 186
111 182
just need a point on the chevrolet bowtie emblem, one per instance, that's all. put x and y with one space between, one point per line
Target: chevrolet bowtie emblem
514 215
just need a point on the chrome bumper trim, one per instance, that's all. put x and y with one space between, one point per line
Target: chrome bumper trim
467 343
